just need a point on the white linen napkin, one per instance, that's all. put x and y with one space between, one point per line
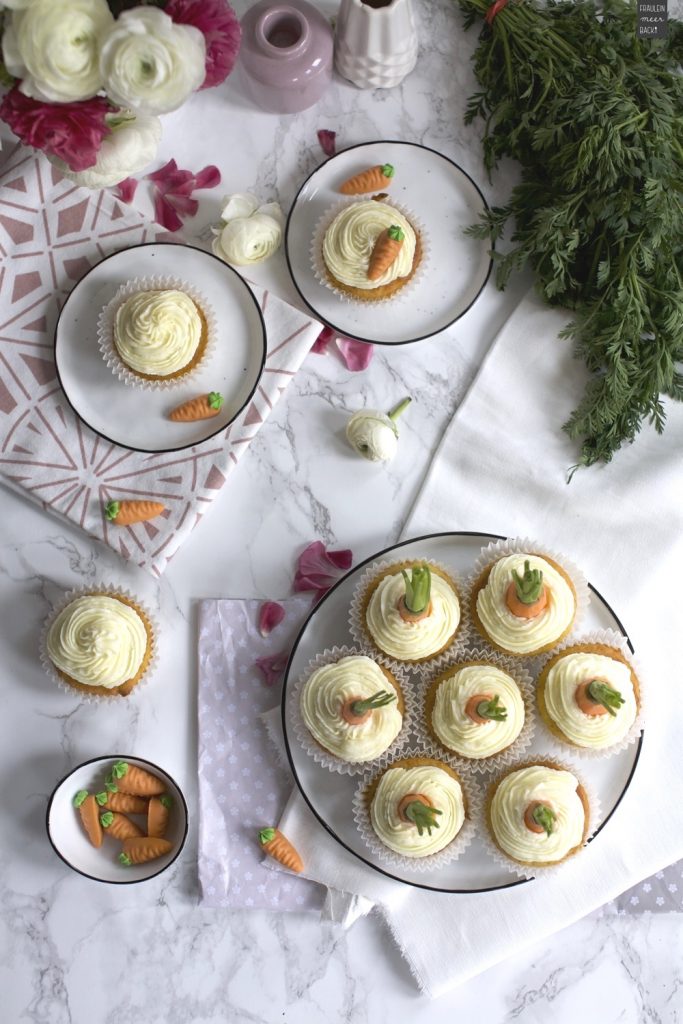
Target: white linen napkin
501 468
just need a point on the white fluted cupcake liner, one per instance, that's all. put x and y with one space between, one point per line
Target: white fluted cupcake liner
104 590
107 318
609 638
434 861
362 636
500 760
548 870
324 757
499 549
318 264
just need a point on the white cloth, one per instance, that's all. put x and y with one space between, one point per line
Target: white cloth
501 468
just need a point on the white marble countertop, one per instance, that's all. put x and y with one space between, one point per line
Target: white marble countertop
75 951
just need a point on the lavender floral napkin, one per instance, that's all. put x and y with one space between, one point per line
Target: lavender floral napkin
242 785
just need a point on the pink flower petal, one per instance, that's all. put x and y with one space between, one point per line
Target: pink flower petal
327 140
356 354
208 177
273 667
322 341
126 189
164 213
270 615
318 569
163 173
183 205
222 33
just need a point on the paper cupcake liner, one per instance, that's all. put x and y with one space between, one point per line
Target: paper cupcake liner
499 549
549 870
363 638
455 849
610 638
324 757
318 264
105 331
494 762
106 591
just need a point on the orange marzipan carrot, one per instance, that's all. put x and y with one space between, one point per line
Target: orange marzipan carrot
119 826
277 846
387 248
138 781
370 180
127 512
140 849
203 407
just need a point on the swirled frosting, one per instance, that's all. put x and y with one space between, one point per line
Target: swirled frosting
441 789
522 636
511 799
329 688
561 683
410 641
157 332
457 731
98 641
351 237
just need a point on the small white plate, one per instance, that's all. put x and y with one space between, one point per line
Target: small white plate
330 795
137 419
70 842
443 198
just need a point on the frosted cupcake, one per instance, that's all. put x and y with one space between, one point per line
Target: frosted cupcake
538 815
352 708
369 251
524 603
479 711
101 644
589 696
409 611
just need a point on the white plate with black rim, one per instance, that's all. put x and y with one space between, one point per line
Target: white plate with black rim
138 419
330 795
443 198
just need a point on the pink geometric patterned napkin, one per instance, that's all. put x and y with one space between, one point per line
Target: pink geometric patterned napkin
242 787
51 233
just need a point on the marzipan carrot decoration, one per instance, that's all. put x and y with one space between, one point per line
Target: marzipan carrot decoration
125 513
371 180
119 826
387 248
131 779
157 816
279 848
597 697
201 408
527 595
140 849
124 803
89 812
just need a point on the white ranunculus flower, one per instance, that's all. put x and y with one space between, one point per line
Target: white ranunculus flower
151 64
374 434
131 145
53 47
239 204
247 240
16 5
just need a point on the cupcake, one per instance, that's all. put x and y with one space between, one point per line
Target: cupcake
408 611
538 814
589 696
99 643
417 807
477 710
524 603
369 251
352 708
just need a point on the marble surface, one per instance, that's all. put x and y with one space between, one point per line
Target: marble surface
73 951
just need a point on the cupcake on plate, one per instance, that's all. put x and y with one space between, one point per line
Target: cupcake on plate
589 697
408 611
368 251
538 814
100 643
417 808
524 603
479 709
351 710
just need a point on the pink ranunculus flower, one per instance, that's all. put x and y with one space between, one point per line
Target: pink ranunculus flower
222 32
71 131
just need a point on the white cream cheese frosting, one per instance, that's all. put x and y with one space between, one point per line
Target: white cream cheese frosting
351 237
444 793
455 728
545 785
519 635
329 688
98 641
411 641
591 731
157 332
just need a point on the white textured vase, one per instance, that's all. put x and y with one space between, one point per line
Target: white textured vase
375 47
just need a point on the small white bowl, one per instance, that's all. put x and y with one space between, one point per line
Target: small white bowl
72 845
